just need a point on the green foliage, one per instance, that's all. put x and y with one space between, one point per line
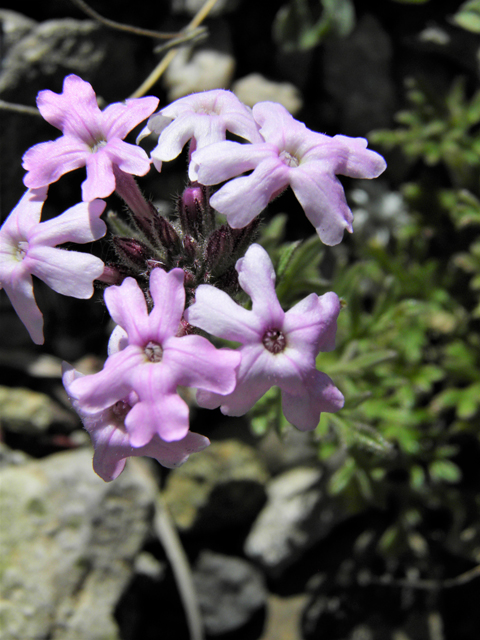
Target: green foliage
468 16
439 129
304 24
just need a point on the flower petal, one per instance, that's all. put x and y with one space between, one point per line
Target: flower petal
100 181
127 157
224 160
23 301
360 162
70 273
194 362
256 276
303 411
242 199
168 295
128 308
158 411
214 311
102 390
74 111
48 161
81 223
323 200
121 117
25 216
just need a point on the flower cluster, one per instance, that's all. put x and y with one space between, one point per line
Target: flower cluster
175 281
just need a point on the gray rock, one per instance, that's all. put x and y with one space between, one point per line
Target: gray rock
256 88
222 487
68 542
202 70
11 457
298 513
230 591
30 412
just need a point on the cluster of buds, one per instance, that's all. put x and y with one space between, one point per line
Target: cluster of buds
173 280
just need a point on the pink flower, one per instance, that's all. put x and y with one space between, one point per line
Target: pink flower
147 358
291 155
112 443
91 138
203 118
27 247
278 348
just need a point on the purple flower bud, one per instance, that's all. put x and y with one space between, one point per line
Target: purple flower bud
131 251
190 248
192 209
219 247
166 234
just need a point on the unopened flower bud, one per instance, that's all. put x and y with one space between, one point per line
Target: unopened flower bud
219 247
111 275
131 251
192 209
190 248
166 234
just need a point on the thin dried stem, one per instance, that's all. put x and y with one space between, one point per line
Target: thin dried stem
19 108
424 585
112 24
163 64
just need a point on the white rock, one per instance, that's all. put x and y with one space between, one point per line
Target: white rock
256 88
204 70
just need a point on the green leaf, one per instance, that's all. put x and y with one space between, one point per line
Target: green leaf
444 470
468 16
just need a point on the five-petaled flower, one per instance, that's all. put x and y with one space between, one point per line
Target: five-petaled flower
111 440
28 247
152 361
289 154
278 348
203 118
91 138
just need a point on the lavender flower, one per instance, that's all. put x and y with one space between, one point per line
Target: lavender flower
111 440
91 138
152 361
289 154
278 348
203 118
27 246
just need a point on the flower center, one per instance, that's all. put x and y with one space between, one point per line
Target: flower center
274 341
154 351
98 145
120 409
21 252
289 159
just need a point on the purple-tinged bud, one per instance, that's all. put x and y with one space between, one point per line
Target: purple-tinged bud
190 248
166 234
133 252
111 275
185 329
192 207
243 238
143 211
219 247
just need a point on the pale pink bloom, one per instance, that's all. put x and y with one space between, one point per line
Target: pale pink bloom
147 358
111 440
278 348
290 155
27 247
203 118
91 138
